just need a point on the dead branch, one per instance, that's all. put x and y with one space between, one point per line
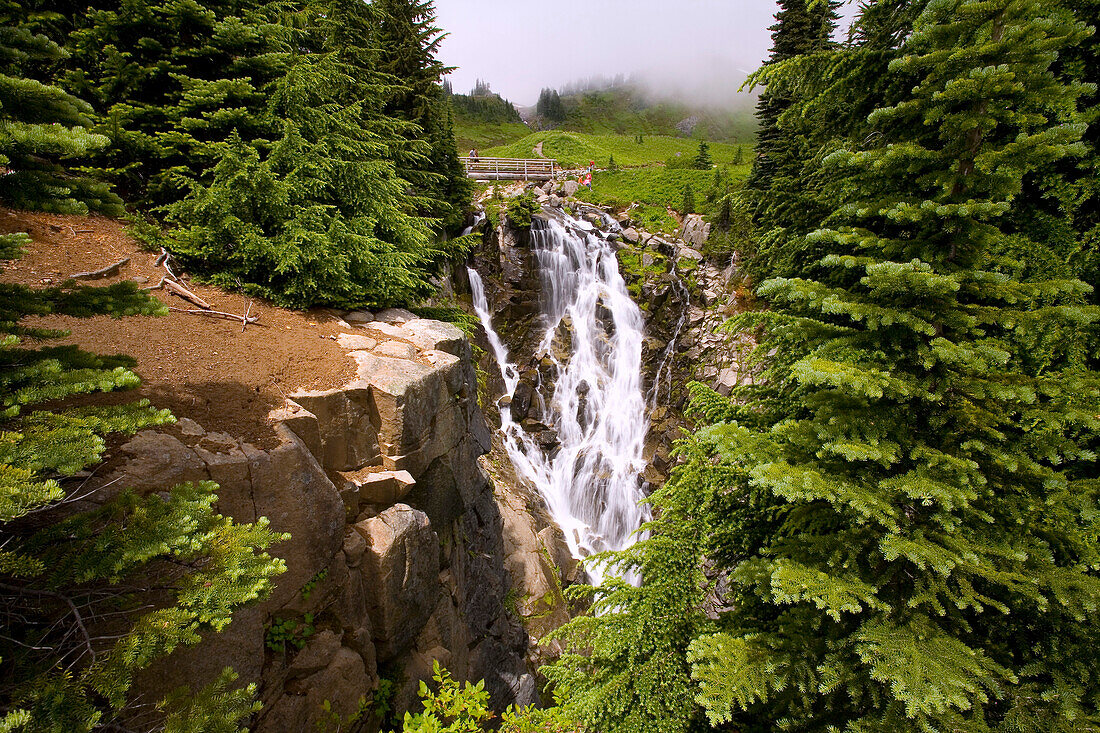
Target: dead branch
64 599
247 313
158 286
176 288
163 260
109 271
245 319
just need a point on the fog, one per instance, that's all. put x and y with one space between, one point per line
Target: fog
699 50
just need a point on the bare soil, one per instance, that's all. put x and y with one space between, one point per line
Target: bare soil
200 367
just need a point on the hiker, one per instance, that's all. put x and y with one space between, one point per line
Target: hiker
586 179
473 155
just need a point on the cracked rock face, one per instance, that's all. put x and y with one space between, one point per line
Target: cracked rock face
396 551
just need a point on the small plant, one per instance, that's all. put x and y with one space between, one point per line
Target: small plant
521 210
688 206
330 721
290 631
307 589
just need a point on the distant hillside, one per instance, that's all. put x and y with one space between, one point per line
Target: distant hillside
484 119
629 110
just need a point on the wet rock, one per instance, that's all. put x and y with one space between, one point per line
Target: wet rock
521 401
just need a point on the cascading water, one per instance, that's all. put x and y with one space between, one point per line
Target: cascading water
591 483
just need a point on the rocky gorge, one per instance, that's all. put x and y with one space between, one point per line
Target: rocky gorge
413 538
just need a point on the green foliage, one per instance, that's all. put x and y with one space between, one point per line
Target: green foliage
78 617
659 187
702 160
42 127
575 149
293 631
169 81
625 669
687 204
408 39
451 708
323 217
522 208
464 708
307 589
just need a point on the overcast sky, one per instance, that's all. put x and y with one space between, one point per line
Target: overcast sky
521 46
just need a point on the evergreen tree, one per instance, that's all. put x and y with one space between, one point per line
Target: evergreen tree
907 543
41 126
75 585
408 40
171 80
324 217
739 156
625 669
837 90
688 206
802 27
702 160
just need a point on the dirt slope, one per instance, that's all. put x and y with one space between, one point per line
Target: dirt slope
202 368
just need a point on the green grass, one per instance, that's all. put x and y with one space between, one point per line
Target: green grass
654 186
575 149
482 135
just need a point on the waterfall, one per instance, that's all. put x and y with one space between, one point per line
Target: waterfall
591 484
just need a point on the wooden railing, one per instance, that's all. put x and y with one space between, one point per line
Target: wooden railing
510 169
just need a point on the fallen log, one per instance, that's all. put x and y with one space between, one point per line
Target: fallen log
109 271
176 288
245 320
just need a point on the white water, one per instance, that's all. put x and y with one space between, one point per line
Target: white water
592 483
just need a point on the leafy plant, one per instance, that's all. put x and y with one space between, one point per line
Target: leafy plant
292 631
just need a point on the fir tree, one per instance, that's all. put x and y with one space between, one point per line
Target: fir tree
408 40
41 126
688 206
702 160
802 27
919 557
324 217
171 80
74 584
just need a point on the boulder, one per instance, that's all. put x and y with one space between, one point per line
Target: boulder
354 317
347 432
356 342
396 349
569 188
695 230
630 234
421 411
401 566
689 254
395 315
436 336
384 487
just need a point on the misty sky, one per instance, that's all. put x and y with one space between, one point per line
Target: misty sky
699 47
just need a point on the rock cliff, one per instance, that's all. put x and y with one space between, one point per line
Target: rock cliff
398 547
